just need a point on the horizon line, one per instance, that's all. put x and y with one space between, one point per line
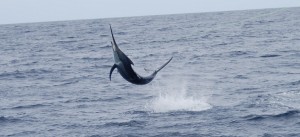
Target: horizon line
216 11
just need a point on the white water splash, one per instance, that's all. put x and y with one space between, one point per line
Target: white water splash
174 98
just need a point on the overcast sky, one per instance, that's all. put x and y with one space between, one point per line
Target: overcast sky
22 11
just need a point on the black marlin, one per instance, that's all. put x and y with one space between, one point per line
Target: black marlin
123 64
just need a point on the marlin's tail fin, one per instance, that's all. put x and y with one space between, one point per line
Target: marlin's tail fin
160 68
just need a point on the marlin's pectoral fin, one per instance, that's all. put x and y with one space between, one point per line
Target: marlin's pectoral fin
164 65
111 70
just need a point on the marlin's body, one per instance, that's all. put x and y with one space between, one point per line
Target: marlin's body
123 64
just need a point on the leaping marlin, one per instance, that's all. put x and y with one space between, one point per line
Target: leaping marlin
123 64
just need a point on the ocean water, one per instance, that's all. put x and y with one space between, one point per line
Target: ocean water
233 74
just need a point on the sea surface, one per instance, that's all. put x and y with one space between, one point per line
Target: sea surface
233 73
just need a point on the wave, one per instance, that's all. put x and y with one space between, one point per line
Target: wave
29 106
105 46
269 55
290 84
104 35
70 81
92 59
104 66
281 135
24 74
71 37
234 54
131 123
285 115
295 83
66 41
137 112
120 33
23 133
237 53
86 99
8 119
164 29
241 77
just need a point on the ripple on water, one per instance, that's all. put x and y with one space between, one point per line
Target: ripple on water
131 123
284 116
8 119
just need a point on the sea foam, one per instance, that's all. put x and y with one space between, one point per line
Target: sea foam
174 97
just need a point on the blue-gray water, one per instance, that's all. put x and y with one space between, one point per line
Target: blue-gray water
232 74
